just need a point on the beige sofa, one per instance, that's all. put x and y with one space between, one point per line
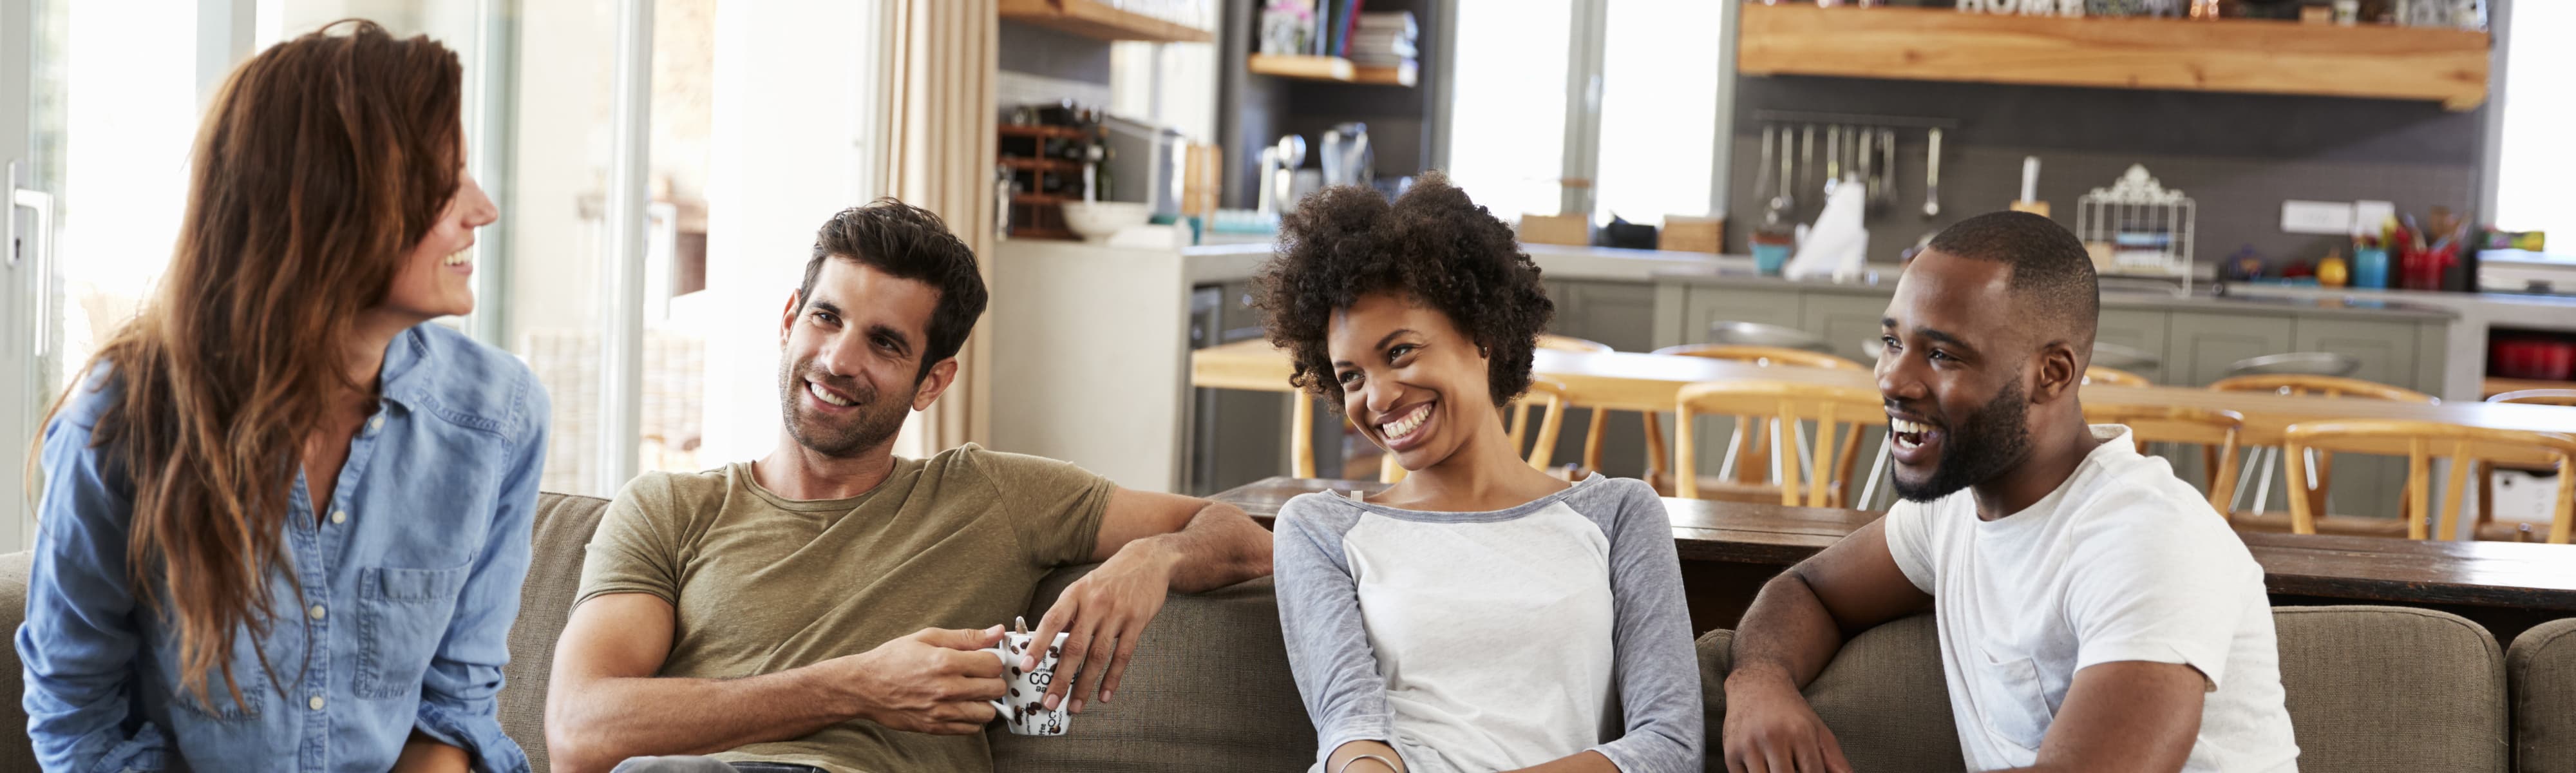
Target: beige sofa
2371 688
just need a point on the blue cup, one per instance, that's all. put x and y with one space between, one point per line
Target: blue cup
2370 267
1768 258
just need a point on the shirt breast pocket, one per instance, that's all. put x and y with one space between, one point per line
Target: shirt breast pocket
402 616
2012 702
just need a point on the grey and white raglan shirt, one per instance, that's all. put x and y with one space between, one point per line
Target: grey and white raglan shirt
1493 640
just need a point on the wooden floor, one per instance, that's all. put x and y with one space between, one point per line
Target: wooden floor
1729 549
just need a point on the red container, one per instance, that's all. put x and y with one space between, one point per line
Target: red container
2544 359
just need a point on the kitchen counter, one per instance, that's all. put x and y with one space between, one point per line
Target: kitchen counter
1236 262
1880 279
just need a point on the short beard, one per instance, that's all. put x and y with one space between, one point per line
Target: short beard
1987 444
878 420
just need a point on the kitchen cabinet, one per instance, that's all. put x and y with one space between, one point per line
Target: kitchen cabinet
2136 329
1704 305
2367 485
1846 322
1622 315
2200 347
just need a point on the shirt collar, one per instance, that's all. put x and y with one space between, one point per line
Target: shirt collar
401 378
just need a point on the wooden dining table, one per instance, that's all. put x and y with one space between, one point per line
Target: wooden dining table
1631 381
1728 549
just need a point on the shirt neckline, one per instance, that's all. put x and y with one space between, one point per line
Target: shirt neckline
1485 516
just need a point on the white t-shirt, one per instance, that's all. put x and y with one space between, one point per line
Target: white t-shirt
2122 562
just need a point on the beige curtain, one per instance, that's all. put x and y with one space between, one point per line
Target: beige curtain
938 154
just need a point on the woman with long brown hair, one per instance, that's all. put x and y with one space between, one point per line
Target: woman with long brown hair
284 521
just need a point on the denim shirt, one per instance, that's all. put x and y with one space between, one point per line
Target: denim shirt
409 582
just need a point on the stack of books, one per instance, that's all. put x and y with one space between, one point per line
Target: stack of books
1384 40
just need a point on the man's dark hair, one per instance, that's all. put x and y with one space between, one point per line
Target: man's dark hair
907 242
2052 276
1432 245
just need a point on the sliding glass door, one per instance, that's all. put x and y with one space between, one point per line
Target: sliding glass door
755 123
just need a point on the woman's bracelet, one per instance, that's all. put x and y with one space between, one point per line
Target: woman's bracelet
1390 764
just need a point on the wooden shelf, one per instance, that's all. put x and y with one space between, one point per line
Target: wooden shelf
1313 68
1041 164
1095 19
1400 75
1039 198
1333 68
1042 131
2229 55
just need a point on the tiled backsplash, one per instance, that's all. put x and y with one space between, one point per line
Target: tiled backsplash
2238 156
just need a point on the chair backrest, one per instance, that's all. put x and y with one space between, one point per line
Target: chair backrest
2321 386
1560 343
2536 397
1761 355
1751 449
1786 405
1547 396
2209 429
2421 442
2097 374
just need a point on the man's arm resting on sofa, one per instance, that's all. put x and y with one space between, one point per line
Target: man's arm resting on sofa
2125 717
1150 544
605 704
1791 631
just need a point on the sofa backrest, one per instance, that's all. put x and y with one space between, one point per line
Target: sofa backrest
562 531
2541 674
1207 689
17 751
2370 689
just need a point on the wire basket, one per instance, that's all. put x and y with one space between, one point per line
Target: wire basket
2137 227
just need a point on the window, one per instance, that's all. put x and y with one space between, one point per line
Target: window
1613 110
1507 113
2534 161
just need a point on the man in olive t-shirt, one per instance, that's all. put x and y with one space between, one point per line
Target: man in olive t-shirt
822 608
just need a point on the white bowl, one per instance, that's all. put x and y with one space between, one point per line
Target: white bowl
1096 221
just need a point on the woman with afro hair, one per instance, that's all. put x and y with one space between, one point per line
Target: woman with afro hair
1478 615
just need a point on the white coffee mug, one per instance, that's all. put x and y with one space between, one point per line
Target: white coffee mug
1022 707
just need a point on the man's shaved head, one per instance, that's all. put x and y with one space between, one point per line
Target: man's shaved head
2051 275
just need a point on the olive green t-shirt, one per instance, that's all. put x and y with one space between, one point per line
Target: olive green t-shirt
763 584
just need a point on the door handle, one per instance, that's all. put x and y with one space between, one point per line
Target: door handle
42 204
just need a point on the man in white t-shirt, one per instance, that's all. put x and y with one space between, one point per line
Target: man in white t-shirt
2094 614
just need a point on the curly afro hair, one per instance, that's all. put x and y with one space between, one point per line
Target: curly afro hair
1432 244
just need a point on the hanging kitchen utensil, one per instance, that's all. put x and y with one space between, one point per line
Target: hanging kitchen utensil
1833 158
1867 140
1806 157
1887 168
1762 177
1932 176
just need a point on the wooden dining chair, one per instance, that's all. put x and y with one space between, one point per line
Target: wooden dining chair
2486 472
2210 429
2537 397
2261 460
2097 374
1783 406
1748 450
1594 421
2423 441
1546 397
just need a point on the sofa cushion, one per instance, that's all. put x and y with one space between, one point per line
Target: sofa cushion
2392 689
562 534
1207 689
1883 696
2370 689
2541 669
17 751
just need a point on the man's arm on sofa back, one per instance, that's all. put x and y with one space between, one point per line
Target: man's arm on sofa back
1791 631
